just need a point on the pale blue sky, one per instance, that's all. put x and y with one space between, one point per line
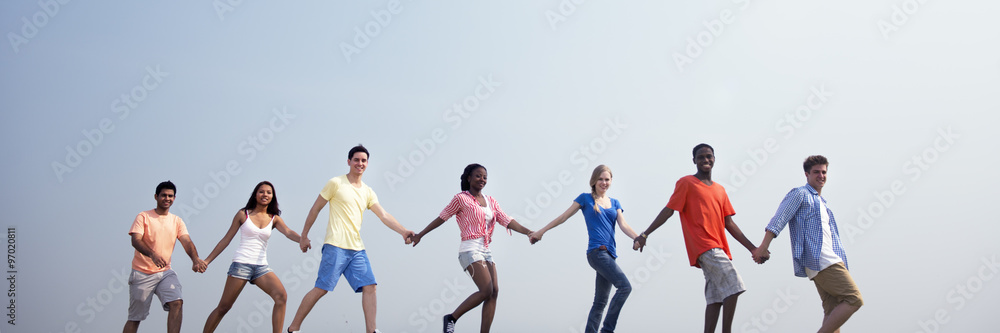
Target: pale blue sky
267 89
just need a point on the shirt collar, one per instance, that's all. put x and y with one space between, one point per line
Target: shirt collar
811 189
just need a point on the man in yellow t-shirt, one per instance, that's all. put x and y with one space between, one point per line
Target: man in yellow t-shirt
154 233
343 251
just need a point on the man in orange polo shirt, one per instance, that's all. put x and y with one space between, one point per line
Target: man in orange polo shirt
706 214
154 233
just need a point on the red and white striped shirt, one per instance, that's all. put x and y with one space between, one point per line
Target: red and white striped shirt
471 219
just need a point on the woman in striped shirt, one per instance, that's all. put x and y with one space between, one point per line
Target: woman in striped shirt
601 213
476 214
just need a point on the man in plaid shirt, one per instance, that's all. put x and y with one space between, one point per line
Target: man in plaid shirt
817 252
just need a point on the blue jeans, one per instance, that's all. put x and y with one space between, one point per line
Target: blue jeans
608 274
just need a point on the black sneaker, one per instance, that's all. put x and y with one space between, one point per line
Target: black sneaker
449 324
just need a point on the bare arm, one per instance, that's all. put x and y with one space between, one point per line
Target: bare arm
627 229
137 243
198 264
310 219
735 231
513 225
537 235
437 222
391 222
279 224
224 242
640 241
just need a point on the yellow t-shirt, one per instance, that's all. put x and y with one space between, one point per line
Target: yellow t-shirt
347 203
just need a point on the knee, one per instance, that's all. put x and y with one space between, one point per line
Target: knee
494 292
223 309
625 289
175 305
280 297
369 289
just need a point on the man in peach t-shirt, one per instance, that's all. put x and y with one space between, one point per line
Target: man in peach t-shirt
154 233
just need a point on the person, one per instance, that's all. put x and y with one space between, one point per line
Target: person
601 213
706 214
477 214
154 233
816 249
343 251
254 223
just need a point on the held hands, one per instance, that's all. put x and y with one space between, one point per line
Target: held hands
199 266
534 237
408 237
639 243
761 255
416 239
304 244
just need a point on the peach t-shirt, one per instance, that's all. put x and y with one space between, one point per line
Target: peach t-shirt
159 233
703 210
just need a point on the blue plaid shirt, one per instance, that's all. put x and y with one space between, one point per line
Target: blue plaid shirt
800 211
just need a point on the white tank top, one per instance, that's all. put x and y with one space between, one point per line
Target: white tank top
253 243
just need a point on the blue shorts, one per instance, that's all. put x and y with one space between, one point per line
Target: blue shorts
249 272
353 265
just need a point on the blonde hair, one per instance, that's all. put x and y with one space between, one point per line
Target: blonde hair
593 183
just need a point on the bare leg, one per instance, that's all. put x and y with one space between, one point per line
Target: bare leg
271 285
481 276
490 305
368 305
712 316
175 316
837 318
229 294
131 326
308 302
728 312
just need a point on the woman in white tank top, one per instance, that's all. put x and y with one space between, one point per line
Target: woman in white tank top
254 223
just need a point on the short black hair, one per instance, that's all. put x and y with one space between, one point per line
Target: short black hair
694 152
167 185
358 149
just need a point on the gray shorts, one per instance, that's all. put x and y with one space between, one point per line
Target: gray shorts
142 286
721 278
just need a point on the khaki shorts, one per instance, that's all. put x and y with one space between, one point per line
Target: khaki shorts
141 288
836 286
721 278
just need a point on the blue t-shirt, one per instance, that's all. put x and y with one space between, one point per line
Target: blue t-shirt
600 226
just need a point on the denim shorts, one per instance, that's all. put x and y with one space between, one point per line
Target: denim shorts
249 272
353 265
468 257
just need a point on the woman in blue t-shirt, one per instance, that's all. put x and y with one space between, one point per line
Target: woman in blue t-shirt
601 214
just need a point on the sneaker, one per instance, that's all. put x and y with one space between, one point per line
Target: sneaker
449 324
